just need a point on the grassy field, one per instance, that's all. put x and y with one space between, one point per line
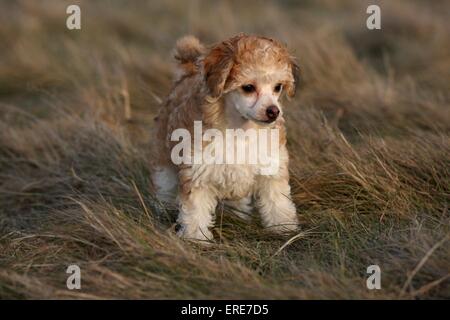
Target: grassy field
368 133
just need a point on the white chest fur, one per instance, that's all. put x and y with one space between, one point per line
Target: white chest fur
232 178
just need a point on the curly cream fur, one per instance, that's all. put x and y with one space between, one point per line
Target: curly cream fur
206 89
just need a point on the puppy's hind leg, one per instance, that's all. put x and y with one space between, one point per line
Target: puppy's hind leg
241 208
165 181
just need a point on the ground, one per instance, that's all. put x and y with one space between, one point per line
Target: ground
368 135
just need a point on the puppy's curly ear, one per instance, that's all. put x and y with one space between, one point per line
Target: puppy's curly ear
217 66
292 87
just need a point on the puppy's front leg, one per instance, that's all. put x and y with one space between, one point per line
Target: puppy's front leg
196 215
275 205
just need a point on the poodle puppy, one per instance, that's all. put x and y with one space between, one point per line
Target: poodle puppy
233 85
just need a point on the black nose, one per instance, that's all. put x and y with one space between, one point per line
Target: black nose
272 113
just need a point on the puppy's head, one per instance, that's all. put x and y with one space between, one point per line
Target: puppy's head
251 73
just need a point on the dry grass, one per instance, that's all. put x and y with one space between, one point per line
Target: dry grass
368 134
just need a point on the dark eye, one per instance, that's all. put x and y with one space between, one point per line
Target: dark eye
278 87
248 88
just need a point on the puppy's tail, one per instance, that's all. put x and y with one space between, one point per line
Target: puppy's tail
187 50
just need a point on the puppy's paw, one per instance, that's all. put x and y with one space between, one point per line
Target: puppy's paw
280 217
285 227
283 221
194 234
